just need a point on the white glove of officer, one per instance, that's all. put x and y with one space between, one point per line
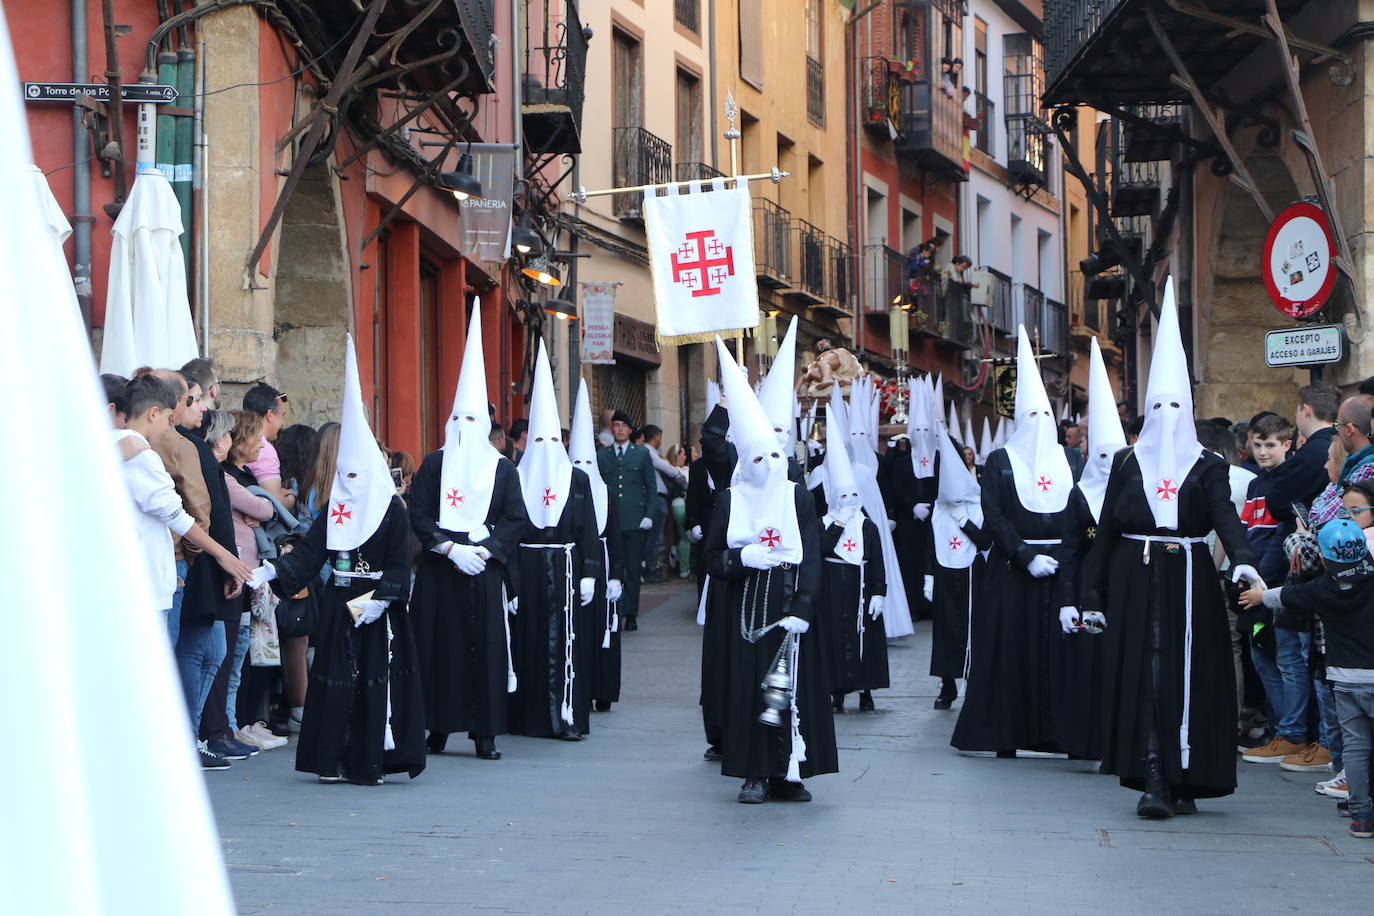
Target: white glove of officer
695 534
756 556
875 606
1041 566
794 624
1068 619
1248 573
645 524
928 588
1094 621
372 610
614 589
921 511
262 575
470 560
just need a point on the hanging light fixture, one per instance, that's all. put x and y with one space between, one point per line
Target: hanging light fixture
562 309
523 238
461 182
542 270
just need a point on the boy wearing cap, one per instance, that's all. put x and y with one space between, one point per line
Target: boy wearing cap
1343 597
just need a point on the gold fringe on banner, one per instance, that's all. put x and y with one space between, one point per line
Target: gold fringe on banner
678 340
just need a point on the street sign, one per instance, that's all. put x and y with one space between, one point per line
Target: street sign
1297 267
67 92
1305 346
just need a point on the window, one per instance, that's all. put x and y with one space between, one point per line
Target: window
751 42
911 229
815 70
688 117
986 248
628 87
685 12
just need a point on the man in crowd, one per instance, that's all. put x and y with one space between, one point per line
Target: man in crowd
203 371
664 473
629 474
604 436
516 441
270 404
1301 478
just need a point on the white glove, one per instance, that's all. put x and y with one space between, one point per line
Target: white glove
372 610
756 556
695 534
892 524
262 575
921 511
645 524
875 606
794 624
1041 566
513 606
586 589
1094 621
470 560
614 589
928 588
1248 573
1068 619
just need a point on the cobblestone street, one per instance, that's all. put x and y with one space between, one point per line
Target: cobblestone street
632 820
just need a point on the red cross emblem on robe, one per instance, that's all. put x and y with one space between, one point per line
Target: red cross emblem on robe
455 497
340 513
549 497
956 543
1044 483
849 545
1167 490
769 537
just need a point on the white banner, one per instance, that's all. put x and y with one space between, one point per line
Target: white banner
598 323
701 252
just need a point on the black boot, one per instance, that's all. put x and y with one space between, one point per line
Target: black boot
753 792
1155 803
782 790
1185 804
602 706
436 742
837 703
486 748
949 692
866 701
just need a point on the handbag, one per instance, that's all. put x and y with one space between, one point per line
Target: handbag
296 615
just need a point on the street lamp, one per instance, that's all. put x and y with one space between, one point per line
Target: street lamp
543 271
561 308
461 183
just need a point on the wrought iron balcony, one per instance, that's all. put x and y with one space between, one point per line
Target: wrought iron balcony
1054 327
931 128
885 279
685 14
985 110
554 79
1028 306
639 158
810 250
952 318
839 278
697 171
1026 130
1001 314
772 244
815 91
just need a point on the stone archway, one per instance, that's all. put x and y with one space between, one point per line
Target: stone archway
1233 310
313 299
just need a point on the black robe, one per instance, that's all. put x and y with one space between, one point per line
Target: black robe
1135 597
752 749
203 596
1012 700
854 661
539 630
956 592
459 620
902 492
701 498
610 564
344 726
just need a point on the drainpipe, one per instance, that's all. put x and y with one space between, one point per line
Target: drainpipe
199 173
715 88
81 174
184 146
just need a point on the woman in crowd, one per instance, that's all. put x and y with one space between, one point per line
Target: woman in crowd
678 458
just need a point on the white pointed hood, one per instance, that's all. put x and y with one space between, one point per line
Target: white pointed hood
363 488
467 475
777 391
921 428
984 443
969 441
952 424
763 509
959 496
545 468
860 420
1039 466
1167 448
937 402
844 503
999 439
1105 435
582 453
712 395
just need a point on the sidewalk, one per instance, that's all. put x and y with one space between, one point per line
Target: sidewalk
632 820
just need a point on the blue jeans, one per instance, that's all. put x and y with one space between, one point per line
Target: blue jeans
1272 682
1355 706
200 650
1291 658
240 650
1330 723
174 615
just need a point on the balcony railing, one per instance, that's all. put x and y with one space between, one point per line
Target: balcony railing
554 77
885 278
815 91
772 243
640 158
1054 327
1001 314
1068 26
811 251
931 127
685 12
1028 305
697 171
985 110
882 101
839 280
953 314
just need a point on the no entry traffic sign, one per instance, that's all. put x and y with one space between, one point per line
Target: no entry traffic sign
1297 268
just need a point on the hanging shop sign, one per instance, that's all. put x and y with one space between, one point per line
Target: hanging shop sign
1306 346
1298 271
598 323
154 93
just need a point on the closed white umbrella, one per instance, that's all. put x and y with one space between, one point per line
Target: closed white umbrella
147 314
58 231
127 827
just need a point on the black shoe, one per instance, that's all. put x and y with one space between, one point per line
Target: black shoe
209 761
713 753
1155 802
628 624
603 705
782 790
1006 755
571 736
942 703
837 703
753 792
436 742
866 701
1184 805
486 748
949 692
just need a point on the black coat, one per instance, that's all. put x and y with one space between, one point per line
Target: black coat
203 598
611 565
902 492
956 593
856 660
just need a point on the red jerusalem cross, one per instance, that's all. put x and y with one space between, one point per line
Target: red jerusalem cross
955 543
849 545
702 263
925 460
455 497
1166 490
770 537
550 497
1044 483
341 513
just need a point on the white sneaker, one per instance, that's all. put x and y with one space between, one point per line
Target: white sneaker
1335 787
258 733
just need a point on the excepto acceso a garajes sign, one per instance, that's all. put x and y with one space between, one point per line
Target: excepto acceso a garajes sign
1318 343
1297 267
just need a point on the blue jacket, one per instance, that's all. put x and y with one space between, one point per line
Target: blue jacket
1266 532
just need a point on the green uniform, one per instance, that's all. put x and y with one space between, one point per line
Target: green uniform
631 482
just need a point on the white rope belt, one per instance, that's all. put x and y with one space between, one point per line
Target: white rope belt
349 574
1183 747
1044 542
968 637
569 669
612 619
